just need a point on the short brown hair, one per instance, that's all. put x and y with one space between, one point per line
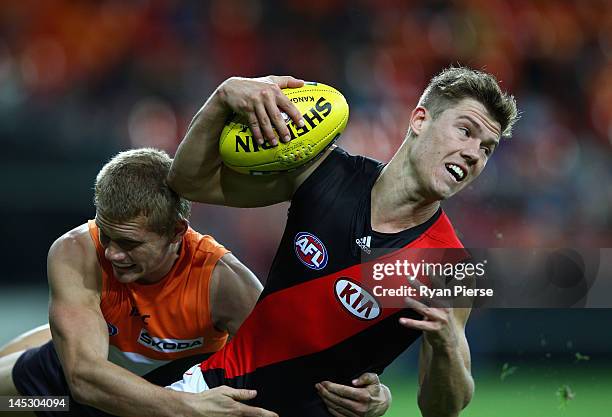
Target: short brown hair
133 183
457 83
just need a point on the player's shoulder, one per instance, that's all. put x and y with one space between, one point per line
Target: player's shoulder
201 242
74 246
353 163
338 169
228 264
229 274
442 233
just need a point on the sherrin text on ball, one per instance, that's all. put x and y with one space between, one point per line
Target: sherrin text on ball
325 113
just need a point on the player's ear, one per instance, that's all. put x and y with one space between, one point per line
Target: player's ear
180 228
418 119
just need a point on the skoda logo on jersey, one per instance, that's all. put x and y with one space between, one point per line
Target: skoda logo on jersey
168 345
112 329
310 250
356 300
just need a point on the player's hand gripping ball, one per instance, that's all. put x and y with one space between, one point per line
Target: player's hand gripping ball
325 112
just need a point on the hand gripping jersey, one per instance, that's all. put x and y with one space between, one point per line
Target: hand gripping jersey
302 330
151 325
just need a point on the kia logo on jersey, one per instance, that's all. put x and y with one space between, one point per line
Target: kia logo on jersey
310 250
356 300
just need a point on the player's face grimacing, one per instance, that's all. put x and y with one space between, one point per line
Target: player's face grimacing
452 149
135 253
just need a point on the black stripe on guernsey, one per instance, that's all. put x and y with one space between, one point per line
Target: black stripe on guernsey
282 385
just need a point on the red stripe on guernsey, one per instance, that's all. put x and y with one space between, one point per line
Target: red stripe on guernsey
279 318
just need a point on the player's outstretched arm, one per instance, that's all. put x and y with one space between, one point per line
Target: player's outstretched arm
445 381
197 172
80 336
368 397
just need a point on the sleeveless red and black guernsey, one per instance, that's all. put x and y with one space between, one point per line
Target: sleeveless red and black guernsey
299 333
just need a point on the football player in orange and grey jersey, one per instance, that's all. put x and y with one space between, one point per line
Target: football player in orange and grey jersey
135 293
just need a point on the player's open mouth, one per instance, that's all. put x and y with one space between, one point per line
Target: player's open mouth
456 171
124 267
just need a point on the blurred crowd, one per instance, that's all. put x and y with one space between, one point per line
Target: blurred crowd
81 80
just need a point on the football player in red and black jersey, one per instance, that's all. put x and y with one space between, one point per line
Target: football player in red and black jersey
341 205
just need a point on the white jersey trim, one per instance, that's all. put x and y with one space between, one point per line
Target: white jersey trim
134 362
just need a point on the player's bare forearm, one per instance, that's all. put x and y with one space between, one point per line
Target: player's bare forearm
447 385
78 336
82 346
197 158
96 382
110 388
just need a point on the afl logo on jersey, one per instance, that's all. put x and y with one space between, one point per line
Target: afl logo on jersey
112 329
310 250
356 300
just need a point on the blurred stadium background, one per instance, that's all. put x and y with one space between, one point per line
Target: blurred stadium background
82 80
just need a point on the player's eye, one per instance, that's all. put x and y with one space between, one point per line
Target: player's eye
104 240
486 149
128 244
465 131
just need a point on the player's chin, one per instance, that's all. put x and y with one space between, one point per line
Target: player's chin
450 187
126 277
445 192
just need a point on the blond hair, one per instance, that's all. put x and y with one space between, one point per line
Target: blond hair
133 183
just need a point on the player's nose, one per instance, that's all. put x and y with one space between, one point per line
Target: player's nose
114 253
470 154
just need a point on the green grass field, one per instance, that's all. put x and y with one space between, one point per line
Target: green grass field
531 391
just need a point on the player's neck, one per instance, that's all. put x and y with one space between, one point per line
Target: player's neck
396 204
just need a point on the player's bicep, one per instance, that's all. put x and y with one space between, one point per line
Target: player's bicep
241 190
230 188
234 290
